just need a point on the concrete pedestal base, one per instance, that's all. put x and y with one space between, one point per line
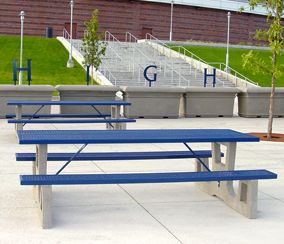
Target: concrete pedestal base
208 102
152 102
70 63
245 200
24 92
85 93
255 101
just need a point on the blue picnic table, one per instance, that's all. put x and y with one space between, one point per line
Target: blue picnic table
215 180
112 120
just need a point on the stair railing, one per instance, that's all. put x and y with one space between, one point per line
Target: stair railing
162 51
184 52
66 35
168 68
234 73
130 38
107 73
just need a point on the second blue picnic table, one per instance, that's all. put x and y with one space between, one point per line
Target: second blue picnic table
112 120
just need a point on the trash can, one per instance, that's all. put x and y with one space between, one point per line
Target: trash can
49 32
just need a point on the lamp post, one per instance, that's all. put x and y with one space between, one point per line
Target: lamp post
228 38
171 28
22 14
70 63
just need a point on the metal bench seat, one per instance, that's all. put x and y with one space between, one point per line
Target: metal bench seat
118 155
69 179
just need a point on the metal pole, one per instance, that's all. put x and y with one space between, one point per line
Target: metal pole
70 63
22 14
228 38
171 28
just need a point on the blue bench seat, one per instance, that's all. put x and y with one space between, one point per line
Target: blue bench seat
118 155
69 179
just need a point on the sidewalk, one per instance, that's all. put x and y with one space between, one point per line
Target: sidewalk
142 213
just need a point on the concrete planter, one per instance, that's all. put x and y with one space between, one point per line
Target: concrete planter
86 93
208 101
255 102
23 92
152 102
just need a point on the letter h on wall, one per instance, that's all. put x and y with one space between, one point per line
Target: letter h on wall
22 69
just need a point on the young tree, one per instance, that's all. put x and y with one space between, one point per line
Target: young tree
274 12
93 46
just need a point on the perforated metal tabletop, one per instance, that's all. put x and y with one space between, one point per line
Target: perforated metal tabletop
131 136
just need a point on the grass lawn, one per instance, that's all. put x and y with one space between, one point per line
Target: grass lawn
48 65
49 59
210 54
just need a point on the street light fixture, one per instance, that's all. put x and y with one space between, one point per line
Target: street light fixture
228 38
70 63
171 28
22 14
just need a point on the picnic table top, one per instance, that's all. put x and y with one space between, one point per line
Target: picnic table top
80 102
132 136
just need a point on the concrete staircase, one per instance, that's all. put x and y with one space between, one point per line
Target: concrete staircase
125 62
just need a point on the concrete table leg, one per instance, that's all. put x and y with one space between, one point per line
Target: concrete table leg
18 126
115 114
245 200
42 194
45 206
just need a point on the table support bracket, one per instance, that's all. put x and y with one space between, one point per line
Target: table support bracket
101 115
74 156
34 114
199 159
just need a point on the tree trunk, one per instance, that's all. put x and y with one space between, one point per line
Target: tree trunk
271 107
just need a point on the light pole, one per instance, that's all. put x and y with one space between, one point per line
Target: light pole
171 28
70 63
22 14
228 38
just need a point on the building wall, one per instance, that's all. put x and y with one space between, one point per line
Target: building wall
121 16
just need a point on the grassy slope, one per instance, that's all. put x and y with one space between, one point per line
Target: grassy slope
49 59
210 54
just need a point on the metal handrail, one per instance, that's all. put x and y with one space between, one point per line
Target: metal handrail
187 51
130 37
180 76
113 51
140 52
110 75
110 37
237 74
163 45
77 46
66 35
193 56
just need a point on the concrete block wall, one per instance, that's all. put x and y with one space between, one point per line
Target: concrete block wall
121 16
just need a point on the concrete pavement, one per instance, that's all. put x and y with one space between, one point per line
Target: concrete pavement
142 213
